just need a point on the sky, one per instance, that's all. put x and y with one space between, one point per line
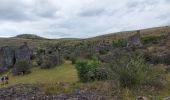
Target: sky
80 18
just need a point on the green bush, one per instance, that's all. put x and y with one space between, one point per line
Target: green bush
119 43
74 59
21 67
131 71
86 69
103 51
102 73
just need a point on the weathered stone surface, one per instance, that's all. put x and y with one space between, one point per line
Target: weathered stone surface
6 58
50 60
23 53
134 40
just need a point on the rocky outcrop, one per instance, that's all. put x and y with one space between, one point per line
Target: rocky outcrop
10 56
134 40
50 60
23 53
19 92
6 58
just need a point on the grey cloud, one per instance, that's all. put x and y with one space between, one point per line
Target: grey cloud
167 1
132 4
92 12
75 18
13 11
13 15
55 34
44 9
20 11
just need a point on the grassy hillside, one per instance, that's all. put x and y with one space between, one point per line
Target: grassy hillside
144 32
29 36
35 41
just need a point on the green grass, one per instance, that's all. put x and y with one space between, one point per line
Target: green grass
64 73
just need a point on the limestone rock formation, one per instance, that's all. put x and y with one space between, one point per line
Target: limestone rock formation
23 53
50 60
134 40
6 58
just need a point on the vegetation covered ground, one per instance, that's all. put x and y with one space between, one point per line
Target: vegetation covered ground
99 65
63 73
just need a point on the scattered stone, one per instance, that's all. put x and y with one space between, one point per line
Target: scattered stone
32 92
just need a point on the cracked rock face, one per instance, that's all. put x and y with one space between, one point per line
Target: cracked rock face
50 60
134 40
6 58
9 56
23 53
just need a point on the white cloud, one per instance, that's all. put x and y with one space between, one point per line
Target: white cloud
80 18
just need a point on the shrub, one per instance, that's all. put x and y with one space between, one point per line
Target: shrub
132 71
103 51
153 39
74 59
156 77
21 67
86 69
40 51
102 72
157 58
119 43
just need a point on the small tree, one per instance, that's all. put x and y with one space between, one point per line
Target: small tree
21 67
86 69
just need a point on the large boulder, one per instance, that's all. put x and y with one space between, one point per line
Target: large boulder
23 53
134 40
6 58
22 60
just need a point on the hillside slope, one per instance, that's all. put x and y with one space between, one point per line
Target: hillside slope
35 41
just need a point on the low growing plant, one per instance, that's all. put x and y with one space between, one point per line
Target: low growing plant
132 72
21 67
